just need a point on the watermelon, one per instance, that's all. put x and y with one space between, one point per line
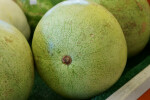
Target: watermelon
35 9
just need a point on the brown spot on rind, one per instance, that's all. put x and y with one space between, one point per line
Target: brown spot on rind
133 24
139 5
143 28
129 25
66 60
8 40
92 35
8 91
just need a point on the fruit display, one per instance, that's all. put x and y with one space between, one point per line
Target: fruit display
12 14
16 64
81 49
134 18
81 53
35 9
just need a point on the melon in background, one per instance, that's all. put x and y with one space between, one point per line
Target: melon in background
134 18
11 13
79 49
16 64
35 9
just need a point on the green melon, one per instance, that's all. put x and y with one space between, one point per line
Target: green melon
35 9
79 49
16 64
12 14
134 18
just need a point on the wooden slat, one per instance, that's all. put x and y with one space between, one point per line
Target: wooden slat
135 88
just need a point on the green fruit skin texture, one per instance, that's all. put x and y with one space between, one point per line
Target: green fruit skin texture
16 64
12 14
134 18
94 40
35 12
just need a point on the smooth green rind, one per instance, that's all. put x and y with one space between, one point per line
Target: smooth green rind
12 14
35 12
91 36
16 64
134 18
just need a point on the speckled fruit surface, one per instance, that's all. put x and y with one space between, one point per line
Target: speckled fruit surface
134 18
16 64
79 49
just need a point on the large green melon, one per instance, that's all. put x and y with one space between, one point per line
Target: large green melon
16 64
12 14
35 9
134 18
79 49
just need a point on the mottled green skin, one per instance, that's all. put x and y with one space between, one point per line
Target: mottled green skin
91 36
16 64
35 12
12 14
134 18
